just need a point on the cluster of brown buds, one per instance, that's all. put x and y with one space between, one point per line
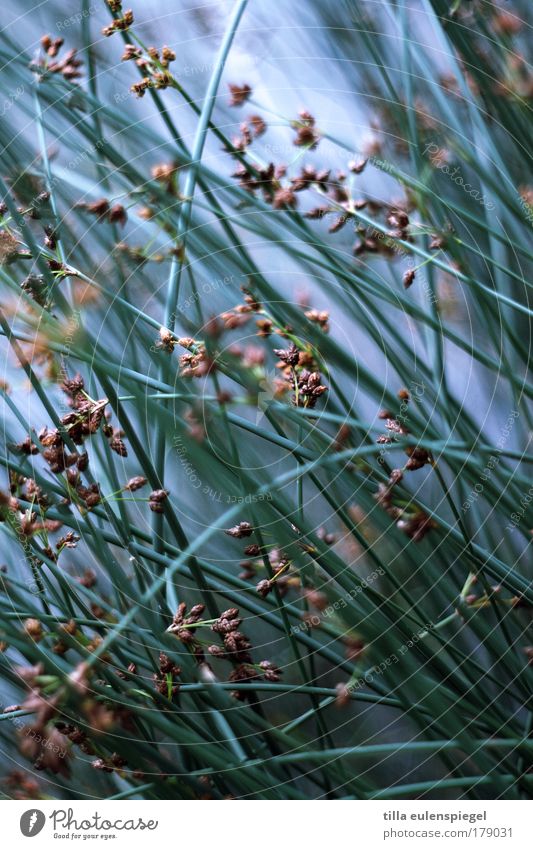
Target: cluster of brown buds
155 500
104 211
90 495
268 180
266 586
163 59
9 247
374 240
309 389
21 786
116 442
154 65
309 177
135 483
119 24
306 133
279 563
335 189
166 341
115 763
412 520
236 649
251 129
235 646
165 681
27 523
85 420
87 417
197 363
165 173
398 220
245 673
418 456
41 742
307 385
68 66
243 529
55 452
61 646
31 524
76 736
241 313
29 489
239 93
283 193
70 540
45 746
183 623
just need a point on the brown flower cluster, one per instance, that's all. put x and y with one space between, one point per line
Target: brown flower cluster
278 560
41 742
239 93
235 646
251 129
418 456
306 133
280 192
154 64
183 623
119 24
307 384
156 499
104 211
68 66
412 520
165 681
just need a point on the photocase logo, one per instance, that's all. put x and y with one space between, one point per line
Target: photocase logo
32 822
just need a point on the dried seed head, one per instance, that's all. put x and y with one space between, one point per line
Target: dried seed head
131 52
158 495
216 651
118 446
9 247
136 482
408 277
117 214
284 197
167 56
243 529
34 629
258 125
271 672
343 696
290 357
239 93
264 587
356 166
166 340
